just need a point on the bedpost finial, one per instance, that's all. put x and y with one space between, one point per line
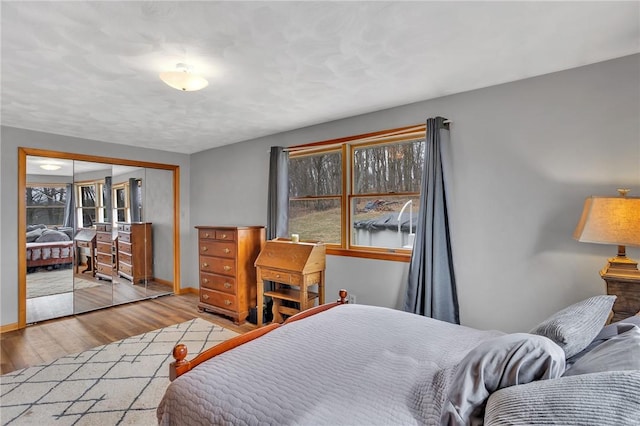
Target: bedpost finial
180 353
343 296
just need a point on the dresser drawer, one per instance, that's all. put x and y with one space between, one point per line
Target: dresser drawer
218 248
218 282
217 298
125 227
104 227
124 237
104 258
125 257
280 277
103 247
103 237
124 247
104 269
206 234
225 235
124 268
218 265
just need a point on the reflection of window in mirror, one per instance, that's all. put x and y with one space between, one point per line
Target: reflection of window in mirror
46 204
90 203
121 195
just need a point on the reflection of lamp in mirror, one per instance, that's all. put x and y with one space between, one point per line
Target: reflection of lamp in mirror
50 166
615 221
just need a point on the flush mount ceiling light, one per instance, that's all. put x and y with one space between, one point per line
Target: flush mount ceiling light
184 79
48 166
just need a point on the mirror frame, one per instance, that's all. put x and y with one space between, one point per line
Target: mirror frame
22 213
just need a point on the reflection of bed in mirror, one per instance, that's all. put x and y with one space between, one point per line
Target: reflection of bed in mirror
48 247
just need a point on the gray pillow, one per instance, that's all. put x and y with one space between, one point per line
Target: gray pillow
574 327
621 352
39 226
50 236
34 234
496 363
599 399
607 332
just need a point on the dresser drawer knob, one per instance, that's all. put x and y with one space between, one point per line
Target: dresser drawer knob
227 285
204 248
227 302
277 275
205 264
224 236
227 251
227 268
206 235
205 280
205 296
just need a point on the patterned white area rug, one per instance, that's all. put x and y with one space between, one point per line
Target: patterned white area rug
116 384
46 283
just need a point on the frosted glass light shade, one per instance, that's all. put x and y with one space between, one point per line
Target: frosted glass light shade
610 220
50 166
183 79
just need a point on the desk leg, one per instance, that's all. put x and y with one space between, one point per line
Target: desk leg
321 289
259 300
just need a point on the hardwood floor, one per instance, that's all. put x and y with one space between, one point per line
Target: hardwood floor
49 340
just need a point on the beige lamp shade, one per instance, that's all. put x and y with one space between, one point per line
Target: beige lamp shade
610 220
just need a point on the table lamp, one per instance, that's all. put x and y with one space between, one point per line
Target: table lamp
615 221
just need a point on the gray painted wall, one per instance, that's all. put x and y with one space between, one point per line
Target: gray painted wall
525 155
13 138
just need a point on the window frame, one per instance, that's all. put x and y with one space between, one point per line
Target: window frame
45 185
99 207
347 146
114 196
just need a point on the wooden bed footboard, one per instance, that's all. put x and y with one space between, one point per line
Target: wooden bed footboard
49 254
181 365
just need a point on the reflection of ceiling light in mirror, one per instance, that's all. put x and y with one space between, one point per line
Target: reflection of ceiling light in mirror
184 79
50 166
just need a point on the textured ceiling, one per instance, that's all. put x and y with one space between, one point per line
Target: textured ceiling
90 69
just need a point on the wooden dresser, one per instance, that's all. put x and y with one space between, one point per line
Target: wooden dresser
227 274
293 268
135 251
105 251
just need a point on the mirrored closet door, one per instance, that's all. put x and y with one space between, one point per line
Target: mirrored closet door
105 234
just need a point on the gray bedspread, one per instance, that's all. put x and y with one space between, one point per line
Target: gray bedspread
350 365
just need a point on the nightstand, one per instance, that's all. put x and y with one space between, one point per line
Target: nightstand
627 291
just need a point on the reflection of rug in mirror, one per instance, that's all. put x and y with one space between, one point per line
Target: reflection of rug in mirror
46 283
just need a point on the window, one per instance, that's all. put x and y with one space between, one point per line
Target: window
360 195
90 203
121 205
45 204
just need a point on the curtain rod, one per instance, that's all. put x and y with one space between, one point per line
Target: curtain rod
405 131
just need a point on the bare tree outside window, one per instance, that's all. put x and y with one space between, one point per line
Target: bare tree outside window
45 204
379 210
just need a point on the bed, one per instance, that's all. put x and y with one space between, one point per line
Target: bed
49 247
49 254
341 364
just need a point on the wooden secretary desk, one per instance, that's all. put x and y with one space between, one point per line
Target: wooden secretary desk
288 265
